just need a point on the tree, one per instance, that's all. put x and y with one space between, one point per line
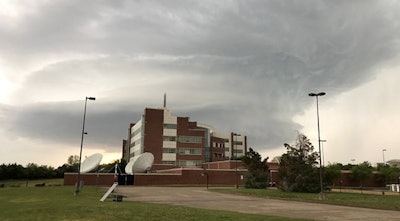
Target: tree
348 166
298 171
73 160
387 173
39 172
12 171
332 173
257 170
361 172
70 167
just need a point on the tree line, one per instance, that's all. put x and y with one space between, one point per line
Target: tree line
34 171
299 169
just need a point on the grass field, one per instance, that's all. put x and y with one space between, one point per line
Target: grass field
375 201
59 203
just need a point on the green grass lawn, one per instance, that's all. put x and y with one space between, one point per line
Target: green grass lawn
59 203
388 202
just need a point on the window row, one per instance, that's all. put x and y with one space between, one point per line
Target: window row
190 139
184 151
169 126
237 143
184 139
136 142
189 163
190 151
184 163
136 132
221 145
235 150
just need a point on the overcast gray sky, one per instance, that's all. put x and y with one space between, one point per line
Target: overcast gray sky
242 66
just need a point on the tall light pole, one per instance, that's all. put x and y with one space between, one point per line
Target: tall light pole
78 182
383 155
319 143
234 144
323 155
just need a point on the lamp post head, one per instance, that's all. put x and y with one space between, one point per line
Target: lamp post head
90 98
314 94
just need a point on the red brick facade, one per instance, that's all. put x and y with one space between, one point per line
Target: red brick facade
194 144
153 133
217 173
90 178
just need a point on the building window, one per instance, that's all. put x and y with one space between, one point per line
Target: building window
136 132
189 151
227 149
168 162
190 139
169 138
169 126
238 151
135 142
169 150
237 143
218 155
220 145
189 163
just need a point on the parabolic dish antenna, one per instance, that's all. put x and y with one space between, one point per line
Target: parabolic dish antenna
140 163
91 162
128 167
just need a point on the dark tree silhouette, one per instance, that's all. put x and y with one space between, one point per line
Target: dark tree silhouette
257 170
298 171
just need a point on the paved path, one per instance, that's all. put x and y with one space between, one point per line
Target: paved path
199 197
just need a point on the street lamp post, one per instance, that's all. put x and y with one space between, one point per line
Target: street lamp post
319 143
323 154
234 148
78 182
206 175
383 155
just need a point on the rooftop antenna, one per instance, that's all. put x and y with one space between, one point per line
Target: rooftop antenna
165 100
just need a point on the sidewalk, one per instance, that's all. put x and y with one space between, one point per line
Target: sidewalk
199 197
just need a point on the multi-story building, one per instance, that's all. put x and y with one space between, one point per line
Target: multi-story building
177 142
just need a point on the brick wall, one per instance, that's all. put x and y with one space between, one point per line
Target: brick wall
192 176
89 178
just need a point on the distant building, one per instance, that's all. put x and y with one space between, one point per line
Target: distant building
178 142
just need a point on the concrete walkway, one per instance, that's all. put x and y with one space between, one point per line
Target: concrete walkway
199 197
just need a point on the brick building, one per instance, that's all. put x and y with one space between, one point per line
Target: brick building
178 142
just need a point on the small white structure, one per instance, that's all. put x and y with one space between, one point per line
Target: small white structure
91 163
394 187
140 163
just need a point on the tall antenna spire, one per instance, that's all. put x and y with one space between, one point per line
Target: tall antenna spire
165 100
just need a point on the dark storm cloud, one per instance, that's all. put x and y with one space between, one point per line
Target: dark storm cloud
244 66
62 123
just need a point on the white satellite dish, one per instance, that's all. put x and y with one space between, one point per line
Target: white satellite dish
91 162
128 167
140 163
